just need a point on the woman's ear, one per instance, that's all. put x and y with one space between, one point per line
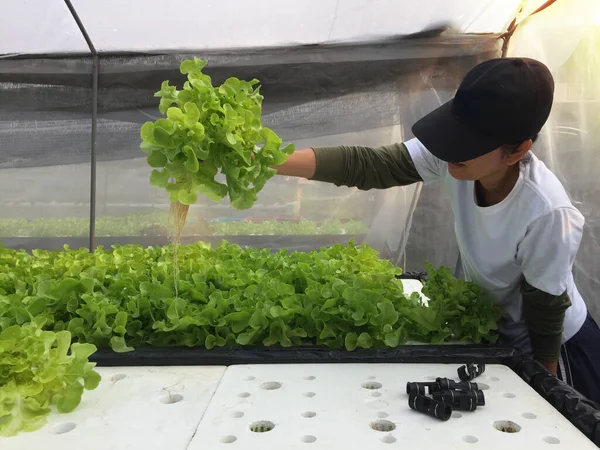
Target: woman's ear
519 152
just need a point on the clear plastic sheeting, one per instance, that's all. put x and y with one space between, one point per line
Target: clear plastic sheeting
38 27
151 26
40 131
566 37
312 104
369 95
271 23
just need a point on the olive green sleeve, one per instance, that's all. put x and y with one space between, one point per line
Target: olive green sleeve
544 315
364 167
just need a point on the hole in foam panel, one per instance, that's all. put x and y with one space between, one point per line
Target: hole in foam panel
372 385
383 425
308 439
509 395
63 428
262 426
168 398
237 414
382 415
456 415
529 416
244 394
309 394
270 385
228 439
376 394
483 386
388 439
551 440
495 379
309 378
309 414
117 377
507 426
470 439
371 377
250 378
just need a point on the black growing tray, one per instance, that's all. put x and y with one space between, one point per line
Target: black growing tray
419 353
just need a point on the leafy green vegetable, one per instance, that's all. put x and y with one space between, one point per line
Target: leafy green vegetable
458 308
38 372
342 296
210 130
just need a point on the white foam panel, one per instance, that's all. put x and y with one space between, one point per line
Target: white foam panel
342 406
132 408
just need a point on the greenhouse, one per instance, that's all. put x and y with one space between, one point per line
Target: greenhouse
219 226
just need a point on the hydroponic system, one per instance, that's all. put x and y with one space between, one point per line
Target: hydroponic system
161 287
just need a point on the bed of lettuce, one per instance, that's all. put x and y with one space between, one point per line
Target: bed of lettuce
57 308
343 296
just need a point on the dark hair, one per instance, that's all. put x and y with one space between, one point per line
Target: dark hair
509 149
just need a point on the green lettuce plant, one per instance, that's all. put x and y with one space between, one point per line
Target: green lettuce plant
210 130
343 296
40 370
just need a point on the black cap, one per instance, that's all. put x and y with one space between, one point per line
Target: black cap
501 101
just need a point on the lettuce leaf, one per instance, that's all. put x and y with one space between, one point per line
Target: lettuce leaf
219 127
37 372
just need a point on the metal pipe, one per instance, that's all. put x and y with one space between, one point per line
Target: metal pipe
95 76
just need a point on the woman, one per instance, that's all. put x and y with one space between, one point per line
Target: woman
517 231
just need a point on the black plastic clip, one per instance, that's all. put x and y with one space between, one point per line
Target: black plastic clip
470 371
429 406
445 384
418 387
461 400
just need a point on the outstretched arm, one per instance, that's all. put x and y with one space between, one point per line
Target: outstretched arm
362 167
301 163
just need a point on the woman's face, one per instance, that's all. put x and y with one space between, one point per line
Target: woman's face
479 168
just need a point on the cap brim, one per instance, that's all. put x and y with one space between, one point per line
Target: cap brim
450 140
